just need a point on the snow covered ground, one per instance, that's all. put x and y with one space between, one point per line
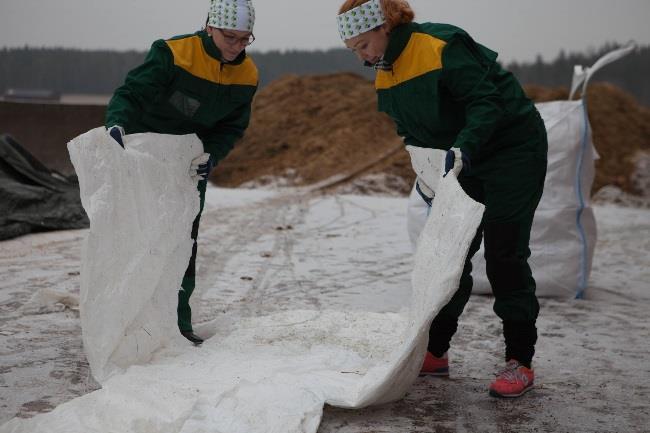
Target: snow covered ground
264 252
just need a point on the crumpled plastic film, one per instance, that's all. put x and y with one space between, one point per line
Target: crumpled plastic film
141 203
270 373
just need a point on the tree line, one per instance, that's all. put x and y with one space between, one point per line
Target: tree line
629 73
65 70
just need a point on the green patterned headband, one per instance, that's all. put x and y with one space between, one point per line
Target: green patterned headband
232 14
360 19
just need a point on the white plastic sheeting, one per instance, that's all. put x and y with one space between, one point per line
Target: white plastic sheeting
563 236
269 374
141 203
426 165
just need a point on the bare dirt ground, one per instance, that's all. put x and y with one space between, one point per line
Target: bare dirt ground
267 255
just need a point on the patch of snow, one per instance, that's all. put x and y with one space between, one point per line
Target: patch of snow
50 301
289 178
377 184
222 198
641 175
611 194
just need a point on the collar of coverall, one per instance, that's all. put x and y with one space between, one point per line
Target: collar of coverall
214 51
397 40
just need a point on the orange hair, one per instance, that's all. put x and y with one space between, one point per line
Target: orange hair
396 11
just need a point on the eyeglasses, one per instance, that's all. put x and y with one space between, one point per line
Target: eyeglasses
234 40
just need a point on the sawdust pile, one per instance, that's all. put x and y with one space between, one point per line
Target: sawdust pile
621 131
621 134
310 129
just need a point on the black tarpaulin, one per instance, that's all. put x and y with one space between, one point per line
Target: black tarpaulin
34 198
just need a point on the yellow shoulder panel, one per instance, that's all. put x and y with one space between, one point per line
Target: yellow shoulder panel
190 55
244 74
422 54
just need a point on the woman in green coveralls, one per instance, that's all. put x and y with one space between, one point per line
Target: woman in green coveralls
201 83
445 91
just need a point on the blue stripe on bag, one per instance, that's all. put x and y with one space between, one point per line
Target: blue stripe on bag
582 281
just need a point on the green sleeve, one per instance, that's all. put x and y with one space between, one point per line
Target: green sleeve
142 86
467 74
221 138
408 138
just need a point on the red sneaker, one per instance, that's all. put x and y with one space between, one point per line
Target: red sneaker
512 381
434 366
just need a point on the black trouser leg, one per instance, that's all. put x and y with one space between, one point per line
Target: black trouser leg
184 312
515 302
513 189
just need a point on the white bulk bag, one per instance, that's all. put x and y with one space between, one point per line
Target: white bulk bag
563 235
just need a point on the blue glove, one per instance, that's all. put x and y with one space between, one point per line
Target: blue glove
201 167
425 192
116 131
205 169
456 160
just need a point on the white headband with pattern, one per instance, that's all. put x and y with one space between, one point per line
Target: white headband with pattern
232 14
360 19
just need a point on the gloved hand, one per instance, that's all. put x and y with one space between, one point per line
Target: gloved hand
456 160
428 165
116 131
200 167
425 192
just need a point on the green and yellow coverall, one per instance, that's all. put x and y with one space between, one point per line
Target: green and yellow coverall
444 90
184 86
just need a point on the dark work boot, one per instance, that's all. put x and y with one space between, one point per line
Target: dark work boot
190 335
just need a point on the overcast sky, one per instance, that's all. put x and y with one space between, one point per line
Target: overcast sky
517 29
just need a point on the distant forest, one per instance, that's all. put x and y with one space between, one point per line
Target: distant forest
100 72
